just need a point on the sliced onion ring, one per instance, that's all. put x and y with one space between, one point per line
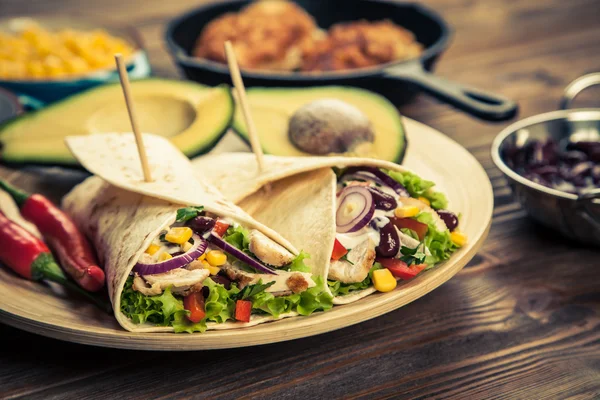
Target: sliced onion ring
355 209
240 255
198 248
382 178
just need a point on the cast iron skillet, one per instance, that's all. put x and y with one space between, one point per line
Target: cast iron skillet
406 76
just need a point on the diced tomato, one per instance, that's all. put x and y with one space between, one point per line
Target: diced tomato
194 303
400 269
220 227
243 308
339 251
418 227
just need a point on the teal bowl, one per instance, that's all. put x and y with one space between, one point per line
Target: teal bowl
48 91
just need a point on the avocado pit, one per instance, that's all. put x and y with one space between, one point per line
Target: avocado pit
327 126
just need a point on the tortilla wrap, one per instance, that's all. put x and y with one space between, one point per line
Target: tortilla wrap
122 214
296 196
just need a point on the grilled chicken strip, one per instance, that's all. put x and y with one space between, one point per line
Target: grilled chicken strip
285 282
183 282
361 260
268 251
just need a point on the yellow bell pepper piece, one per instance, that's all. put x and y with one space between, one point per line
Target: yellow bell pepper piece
406 212
152 249
216 258
458 238
179 235
383 280
164 256
425 200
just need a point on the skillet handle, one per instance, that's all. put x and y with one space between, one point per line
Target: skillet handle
477 102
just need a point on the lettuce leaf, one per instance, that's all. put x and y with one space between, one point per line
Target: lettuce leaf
220 303
417 187
305 303
160 310
238 237
439 243
340 289
168 310
298 264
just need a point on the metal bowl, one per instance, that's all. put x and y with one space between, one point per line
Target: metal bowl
577 217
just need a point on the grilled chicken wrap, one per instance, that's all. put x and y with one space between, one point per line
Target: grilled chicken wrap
353 215
178 256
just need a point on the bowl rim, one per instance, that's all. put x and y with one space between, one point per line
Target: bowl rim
525 123
187 60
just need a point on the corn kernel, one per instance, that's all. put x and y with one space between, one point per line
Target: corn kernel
164 256
216 258
152 249
186 246
202 257
383 280
406 212
179 235
211 268
53 66
35 69
458 238
76 65
425 200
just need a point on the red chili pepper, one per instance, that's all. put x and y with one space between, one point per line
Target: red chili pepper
70 246
243 309
194 303
29 257
339 250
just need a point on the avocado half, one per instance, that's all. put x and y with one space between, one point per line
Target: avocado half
194 117
272 109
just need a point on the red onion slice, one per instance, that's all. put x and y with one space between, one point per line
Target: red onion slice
355 209
382 178
240 255
198 248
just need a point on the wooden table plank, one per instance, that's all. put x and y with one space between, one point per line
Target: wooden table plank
521 321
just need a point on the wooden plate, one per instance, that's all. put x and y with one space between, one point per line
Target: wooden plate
48 311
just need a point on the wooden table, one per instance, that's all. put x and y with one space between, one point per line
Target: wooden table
521 321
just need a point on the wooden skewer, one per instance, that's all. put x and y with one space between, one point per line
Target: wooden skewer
236 77
132 118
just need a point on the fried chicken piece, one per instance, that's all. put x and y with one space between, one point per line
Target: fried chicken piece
361 44
266 35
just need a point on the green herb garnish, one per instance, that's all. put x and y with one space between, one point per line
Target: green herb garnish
412 256
253 290
187 213
345 257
